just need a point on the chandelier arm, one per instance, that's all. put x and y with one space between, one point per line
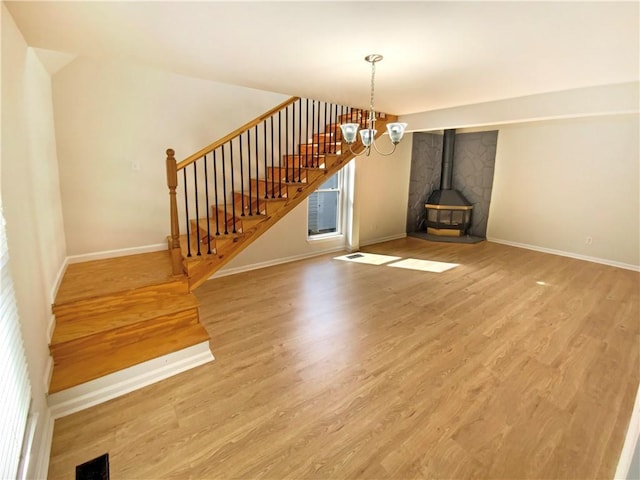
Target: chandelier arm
366 151
382 153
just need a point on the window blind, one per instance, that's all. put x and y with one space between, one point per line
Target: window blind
15 389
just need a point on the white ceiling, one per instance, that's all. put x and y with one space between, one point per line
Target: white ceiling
437 54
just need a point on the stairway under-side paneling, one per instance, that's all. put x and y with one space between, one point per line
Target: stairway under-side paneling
116 313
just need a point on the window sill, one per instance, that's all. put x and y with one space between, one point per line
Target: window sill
325 236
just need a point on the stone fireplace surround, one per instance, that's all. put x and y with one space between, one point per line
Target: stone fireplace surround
473 167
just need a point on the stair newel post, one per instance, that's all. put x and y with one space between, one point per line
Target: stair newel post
174 241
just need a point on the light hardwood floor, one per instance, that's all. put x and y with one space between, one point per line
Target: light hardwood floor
515 364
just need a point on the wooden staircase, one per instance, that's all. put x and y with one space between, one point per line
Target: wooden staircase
321 157
116 313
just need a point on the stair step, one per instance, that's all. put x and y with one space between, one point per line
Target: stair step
104 304
267 206
356 116
333 160
296 162
328 137
123 349
96 278
304 174
223 225
271 187
89 320
204 248
105 331
318 148
334 130
287 173
250 221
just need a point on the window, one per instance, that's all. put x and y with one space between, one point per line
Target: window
325 208
14 379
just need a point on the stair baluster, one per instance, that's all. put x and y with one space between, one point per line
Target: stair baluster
186 210
195 185
280 154
273 193
206 196
241 176
233 197
224 193
215 190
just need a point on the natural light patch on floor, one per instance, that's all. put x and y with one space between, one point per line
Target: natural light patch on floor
391 261
369 258
423 265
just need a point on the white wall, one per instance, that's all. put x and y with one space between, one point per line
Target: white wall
32 208
286 240
558 182
110 114
382 190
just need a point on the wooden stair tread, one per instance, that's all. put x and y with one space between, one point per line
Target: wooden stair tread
91 319
293 174
303 161
95 362
100 343
112 275
271 185
218 224
215 239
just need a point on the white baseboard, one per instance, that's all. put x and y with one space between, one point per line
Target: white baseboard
603 261
86 257
48 372
119 383
383 239
58 280
51 327
630 442
278 261
40 466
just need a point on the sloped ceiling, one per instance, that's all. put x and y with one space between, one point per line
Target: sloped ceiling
437 54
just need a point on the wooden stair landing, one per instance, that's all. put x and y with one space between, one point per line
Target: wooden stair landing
111 275
116 313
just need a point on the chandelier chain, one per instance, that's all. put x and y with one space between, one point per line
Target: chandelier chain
371 110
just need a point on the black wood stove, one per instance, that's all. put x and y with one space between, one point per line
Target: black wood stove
448 212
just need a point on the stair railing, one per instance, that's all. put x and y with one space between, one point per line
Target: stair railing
243 170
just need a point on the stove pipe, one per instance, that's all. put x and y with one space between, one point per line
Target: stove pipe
446 174
446 195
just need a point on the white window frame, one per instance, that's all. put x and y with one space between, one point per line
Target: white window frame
342 206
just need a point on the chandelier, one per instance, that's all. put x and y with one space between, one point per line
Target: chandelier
368 134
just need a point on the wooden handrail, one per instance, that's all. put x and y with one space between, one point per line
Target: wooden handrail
200 153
